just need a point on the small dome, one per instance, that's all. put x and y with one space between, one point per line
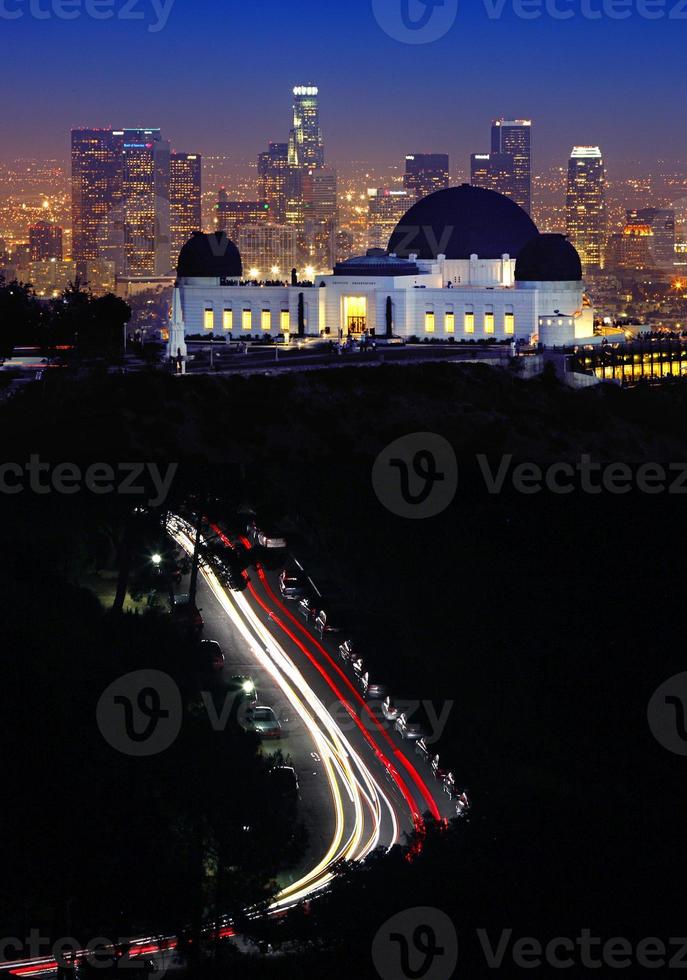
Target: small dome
549 258
377 262
463 221
211 256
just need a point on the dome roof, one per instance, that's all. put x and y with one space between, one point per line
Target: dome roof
463 221
377 262
548 258
211 256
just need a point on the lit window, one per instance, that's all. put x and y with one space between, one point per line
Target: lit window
228 320
509 322
285 321
489 321
450 325
209 320
266 320
247 320
429 322
469 321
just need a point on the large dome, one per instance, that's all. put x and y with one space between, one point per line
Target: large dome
211 256
463 221
548 258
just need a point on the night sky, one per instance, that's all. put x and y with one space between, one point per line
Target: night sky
217 79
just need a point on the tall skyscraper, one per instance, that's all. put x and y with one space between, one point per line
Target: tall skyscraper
513 137
230 216
321 215
386 207
586 205
97 219
493 172
425 174
306 145
45 240
185 199
145 187
273 167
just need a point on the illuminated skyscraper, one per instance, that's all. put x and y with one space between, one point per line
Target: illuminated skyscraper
321 213
493 172
513 137
586 205
425 174
185 200
230 216
145 186
386 208
45 239
273 167
662 224
306 145
97 219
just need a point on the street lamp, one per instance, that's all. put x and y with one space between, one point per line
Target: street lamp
157 560
254 273
275 270
310 272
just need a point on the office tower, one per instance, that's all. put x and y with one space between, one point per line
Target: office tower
586 206
45 240
268 251
306 146
230 216
513 137
662 224
493 172
321 212
145 190
185 199
273 167
97 219
386 208
425 174
50 277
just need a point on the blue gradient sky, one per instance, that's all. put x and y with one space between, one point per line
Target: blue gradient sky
218 77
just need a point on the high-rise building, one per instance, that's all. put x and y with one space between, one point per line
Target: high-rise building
306 145
663 234
386 207
513 137
97 219
45 239
185 199
493 172
586 205
321 217
145 190
268 251
425 174
230 216
273 167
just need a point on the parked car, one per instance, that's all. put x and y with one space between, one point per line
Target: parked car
272 540
389 710
262 721
186 613
346 651
372 692
211 656
244 688
308 609
285 783
422 750
332 618
294 585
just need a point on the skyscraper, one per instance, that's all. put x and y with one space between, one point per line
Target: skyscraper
321 212
145 189
97 219
185 199
586 205
493 172
663 237
306 145
513 137
230 216
425 174
273 167
45 240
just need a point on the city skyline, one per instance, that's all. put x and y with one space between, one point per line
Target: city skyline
208 112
